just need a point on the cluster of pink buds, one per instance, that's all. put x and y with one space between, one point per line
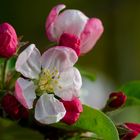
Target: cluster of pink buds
8 48
50 84
127 131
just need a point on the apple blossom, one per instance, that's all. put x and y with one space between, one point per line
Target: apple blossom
73 24
8 40
47 75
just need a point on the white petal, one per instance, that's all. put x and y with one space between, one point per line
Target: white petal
70 82
49 110
25 92
70 21
59 58
28 62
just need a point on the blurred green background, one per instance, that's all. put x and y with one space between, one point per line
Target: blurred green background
116 54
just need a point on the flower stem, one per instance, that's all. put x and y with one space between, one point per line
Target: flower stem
3 73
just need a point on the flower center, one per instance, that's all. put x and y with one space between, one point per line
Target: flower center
47 82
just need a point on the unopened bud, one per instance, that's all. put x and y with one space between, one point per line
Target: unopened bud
115 101
13 108
8 40
132 132
73 110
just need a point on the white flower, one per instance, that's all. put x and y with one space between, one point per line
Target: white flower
48 75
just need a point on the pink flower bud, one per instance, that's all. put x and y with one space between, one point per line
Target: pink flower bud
73 110
130 136
134 130
71 117
71 41
116 99
8 40
10 105
13 108
133 126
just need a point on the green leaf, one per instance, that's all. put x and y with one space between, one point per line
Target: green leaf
1 71
88 75
12 131
94 121
11 74
126 114
131 101
11 63
132 90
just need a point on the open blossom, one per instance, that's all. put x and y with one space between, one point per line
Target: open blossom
47 75
73 25
8 40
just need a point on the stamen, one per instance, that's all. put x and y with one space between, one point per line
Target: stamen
48 80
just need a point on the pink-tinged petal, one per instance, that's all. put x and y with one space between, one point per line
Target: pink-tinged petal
50 21
71 22
49 110
28 62
59 58
91 33
25 92
70 83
